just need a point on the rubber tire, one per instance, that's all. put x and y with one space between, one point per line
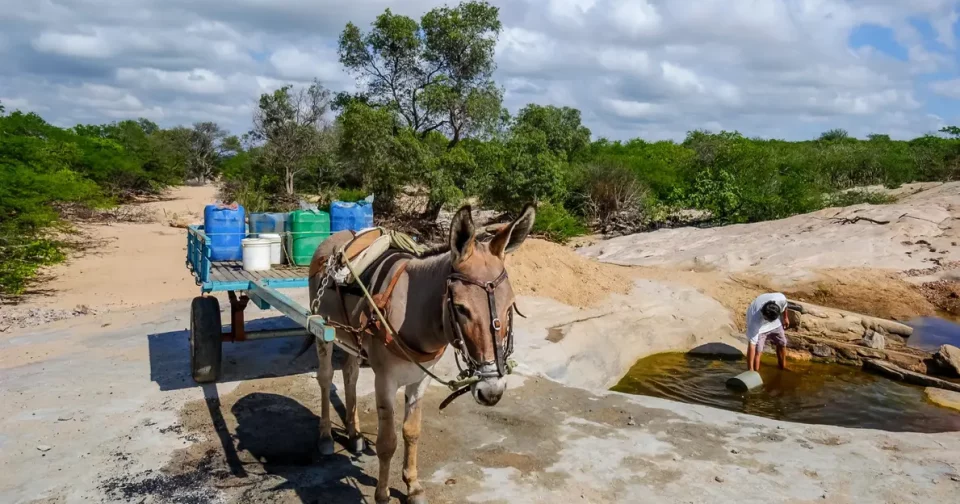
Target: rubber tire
206 344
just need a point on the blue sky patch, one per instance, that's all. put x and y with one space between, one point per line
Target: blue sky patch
880 38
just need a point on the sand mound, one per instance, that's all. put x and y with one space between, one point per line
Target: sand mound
542 268
877 293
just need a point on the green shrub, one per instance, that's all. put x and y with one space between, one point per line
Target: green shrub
556 224
857 197
349 194
21 259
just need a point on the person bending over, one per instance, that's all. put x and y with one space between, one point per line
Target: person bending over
766 318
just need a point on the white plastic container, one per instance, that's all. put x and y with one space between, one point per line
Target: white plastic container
276 249
256 254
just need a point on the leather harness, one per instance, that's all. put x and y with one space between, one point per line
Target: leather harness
368 320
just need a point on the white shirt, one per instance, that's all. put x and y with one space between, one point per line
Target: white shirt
756 324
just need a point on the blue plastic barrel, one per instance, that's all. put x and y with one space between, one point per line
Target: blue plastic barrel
350 215
225 226
364 215
273 223
342 216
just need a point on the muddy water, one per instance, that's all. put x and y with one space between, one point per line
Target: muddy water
806 393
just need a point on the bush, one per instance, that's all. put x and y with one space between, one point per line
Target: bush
21 259
556 224
857 197
611 197
351 194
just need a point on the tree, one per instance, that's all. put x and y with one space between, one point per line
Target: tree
566 135
205 150
292 126
834 135
953 131
436 75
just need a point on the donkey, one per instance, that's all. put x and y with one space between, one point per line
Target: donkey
458 294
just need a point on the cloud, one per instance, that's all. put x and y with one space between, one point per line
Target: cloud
196 81
651 68
948 88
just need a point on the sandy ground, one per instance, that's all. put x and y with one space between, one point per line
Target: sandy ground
101 408
138 263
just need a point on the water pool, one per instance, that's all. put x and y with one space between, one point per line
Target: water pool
807 392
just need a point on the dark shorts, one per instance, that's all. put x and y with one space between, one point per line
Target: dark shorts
776 336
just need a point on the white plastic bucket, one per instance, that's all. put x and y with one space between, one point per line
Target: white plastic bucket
276 250
256 254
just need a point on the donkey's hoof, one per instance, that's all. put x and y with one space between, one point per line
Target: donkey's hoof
357 445
325 446
420 498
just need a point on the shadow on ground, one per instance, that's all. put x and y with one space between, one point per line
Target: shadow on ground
282 434
170 356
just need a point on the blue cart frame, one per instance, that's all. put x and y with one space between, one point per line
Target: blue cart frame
206 330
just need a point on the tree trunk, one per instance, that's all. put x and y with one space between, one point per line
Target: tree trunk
288 182
432 211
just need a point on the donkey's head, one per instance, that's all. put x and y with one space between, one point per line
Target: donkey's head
479 304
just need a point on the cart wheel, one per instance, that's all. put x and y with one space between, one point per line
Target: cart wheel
205 339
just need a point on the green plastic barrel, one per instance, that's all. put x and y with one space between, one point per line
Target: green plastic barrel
308 228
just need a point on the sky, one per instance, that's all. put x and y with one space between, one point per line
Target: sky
653 69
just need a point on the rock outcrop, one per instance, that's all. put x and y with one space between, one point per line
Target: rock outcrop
874 340
948 357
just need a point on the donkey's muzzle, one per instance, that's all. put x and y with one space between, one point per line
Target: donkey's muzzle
489 390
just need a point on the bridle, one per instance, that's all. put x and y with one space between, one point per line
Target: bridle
501 353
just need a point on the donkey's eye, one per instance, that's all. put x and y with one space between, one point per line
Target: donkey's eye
462 310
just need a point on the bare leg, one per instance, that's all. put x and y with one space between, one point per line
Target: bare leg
757 353
325 379
351 372
386 392
751 356
411 436
782 356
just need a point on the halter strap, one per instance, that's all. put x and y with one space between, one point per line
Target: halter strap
496 325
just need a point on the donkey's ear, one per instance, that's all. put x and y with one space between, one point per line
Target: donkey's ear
511 236
462 235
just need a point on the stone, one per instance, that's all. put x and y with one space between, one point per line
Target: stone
949 357
870 353
895 372
848 353
874 340
945 398
911 362
719 479
43 448
822 351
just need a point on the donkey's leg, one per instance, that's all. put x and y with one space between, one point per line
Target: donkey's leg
411 436
351 373
325 379
386 392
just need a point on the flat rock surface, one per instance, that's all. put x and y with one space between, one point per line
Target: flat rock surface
945 398
794 249
125 423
